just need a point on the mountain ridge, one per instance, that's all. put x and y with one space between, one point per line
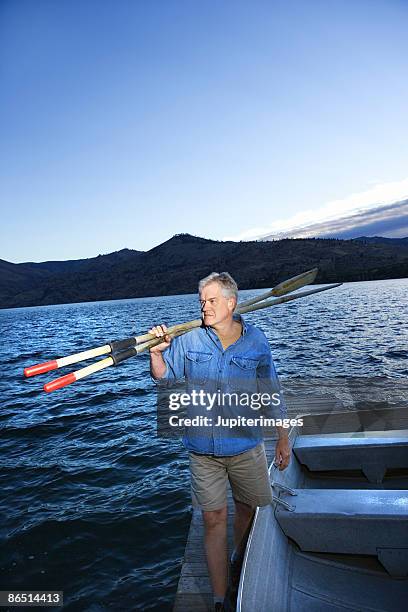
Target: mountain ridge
176 265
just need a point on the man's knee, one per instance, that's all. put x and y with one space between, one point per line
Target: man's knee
215 518
244 510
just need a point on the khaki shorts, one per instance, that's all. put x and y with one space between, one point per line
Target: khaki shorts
247 473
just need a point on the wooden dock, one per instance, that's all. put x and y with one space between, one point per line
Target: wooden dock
194 592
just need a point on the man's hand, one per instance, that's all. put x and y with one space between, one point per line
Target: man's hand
282 452
160 332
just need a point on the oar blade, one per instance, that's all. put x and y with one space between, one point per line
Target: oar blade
286 298
287 286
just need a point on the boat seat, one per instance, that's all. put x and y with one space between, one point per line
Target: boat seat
359 521
373 452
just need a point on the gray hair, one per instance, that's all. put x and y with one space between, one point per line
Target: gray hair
229 287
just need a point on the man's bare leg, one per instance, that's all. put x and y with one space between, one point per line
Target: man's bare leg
242 518
215 544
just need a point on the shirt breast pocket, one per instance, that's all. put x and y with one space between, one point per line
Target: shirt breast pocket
242 373
198 366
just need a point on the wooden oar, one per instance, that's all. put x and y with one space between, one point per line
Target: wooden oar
117 346
182 328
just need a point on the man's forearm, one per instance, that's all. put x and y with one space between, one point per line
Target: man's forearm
157 365
282 431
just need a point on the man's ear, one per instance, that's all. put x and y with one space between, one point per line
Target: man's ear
232 302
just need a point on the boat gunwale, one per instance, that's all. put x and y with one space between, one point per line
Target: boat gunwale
251 533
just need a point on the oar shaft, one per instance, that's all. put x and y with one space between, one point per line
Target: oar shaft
173 330
116 346
64 361
115 359
119 357
58 383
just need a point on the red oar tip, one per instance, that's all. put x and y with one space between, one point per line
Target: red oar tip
59 382
40 368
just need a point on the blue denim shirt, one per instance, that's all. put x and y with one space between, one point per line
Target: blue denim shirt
245 367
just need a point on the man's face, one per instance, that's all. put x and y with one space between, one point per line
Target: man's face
215 307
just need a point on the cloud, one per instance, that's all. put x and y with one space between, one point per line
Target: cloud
382 209
390 220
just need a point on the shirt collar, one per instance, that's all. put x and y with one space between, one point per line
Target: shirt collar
236 317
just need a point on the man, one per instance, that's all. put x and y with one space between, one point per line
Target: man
226 354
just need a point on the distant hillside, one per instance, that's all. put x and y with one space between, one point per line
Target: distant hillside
175 267
383 240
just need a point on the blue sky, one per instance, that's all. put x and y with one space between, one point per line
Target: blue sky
125 122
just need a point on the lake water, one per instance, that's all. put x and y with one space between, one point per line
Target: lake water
93 503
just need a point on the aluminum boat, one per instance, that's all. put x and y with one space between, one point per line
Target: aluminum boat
336 536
